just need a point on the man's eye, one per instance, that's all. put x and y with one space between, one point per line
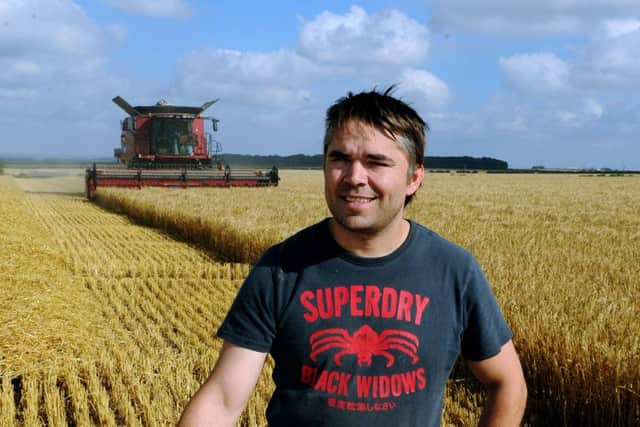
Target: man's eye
339 159
378 164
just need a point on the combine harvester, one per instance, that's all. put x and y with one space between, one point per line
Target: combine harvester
167 146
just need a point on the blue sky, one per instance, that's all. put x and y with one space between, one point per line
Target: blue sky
545 82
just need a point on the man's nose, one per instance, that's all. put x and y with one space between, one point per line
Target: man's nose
356 174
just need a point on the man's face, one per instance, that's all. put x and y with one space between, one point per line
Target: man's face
366 179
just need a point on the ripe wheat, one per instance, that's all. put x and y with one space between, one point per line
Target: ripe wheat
112 323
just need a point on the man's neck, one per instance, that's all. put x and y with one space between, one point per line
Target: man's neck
371 245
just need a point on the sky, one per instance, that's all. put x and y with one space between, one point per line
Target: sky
551 83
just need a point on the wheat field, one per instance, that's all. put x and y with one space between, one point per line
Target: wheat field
113 321
103 322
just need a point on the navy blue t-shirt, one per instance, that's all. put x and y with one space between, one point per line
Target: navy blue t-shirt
364 341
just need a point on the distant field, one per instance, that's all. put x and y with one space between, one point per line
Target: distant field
48 179
112 322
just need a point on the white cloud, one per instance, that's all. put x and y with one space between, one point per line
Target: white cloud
553 131
609 59
117 32
57 27
18 72
580 114
330 46
424 86
612 28
389 37
613 61
154 8
287 87
535 73
256 77
567 117
43 42
54 72
593 108
531 17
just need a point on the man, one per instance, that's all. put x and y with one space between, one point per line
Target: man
364 313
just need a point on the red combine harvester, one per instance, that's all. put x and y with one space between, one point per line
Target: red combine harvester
167 146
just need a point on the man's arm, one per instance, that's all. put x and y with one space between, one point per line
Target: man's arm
224 395
507 390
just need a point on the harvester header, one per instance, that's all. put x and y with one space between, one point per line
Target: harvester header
165 145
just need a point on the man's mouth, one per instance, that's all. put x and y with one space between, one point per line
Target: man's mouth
357 199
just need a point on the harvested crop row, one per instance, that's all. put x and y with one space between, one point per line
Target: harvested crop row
118 335
46 315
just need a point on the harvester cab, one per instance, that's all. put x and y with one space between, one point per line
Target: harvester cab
163 134
167 146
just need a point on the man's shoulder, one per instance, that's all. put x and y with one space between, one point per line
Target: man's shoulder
438 246
302 247
306 238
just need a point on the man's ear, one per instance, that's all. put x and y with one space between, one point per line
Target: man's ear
415 180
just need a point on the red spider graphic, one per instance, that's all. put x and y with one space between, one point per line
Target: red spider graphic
364 343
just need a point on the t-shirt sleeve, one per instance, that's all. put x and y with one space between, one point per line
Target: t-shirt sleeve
485 330
251 320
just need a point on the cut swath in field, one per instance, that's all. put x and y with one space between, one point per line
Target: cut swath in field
236 224
113 323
